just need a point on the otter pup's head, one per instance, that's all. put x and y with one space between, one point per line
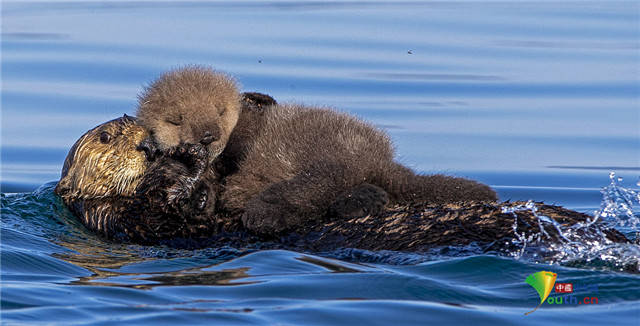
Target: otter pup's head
104 162
191 105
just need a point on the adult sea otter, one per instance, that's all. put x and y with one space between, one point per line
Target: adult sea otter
103 175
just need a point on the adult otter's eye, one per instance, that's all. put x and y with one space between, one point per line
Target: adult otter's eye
105 137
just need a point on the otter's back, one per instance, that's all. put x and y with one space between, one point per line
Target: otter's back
294 137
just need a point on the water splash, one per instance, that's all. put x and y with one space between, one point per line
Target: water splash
521 238
616 209
583 244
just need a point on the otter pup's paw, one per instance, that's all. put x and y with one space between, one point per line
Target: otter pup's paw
365 199
264 218
163 189
270 216
170 182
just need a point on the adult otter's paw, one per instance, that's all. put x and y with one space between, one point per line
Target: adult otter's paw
170 182
365 199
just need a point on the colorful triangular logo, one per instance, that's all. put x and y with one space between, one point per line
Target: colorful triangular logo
543 282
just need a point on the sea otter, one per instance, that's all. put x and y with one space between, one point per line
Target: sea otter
101 172
299 164
104 175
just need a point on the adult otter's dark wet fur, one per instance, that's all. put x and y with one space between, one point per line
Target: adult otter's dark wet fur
307 164
193 104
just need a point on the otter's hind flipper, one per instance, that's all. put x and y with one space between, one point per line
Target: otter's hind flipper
404 186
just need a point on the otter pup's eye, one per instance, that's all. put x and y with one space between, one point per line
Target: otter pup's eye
176 121
105 137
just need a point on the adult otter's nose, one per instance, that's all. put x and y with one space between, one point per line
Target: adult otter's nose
150 149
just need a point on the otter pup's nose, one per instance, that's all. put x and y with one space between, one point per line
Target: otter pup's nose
208 138
149 148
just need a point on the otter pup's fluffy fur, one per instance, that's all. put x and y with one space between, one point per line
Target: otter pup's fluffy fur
249 125
309 163
190 105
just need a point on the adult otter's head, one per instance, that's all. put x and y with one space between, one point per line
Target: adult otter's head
194 104
104 162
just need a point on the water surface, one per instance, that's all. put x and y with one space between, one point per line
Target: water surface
538 99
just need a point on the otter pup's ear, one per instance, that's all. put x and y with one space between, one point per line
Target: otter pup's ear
257 101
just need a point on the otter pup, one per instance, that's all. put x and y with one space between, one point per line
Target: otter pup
292 164
309 163
190 105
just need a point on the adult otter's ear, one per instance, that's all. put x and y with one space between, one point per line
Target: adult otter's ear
127 117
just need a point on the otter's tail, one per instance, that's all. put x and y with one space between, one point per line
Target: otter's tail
405 186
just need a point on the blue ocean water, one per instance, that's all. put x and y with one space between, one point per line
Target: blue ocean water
538 99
